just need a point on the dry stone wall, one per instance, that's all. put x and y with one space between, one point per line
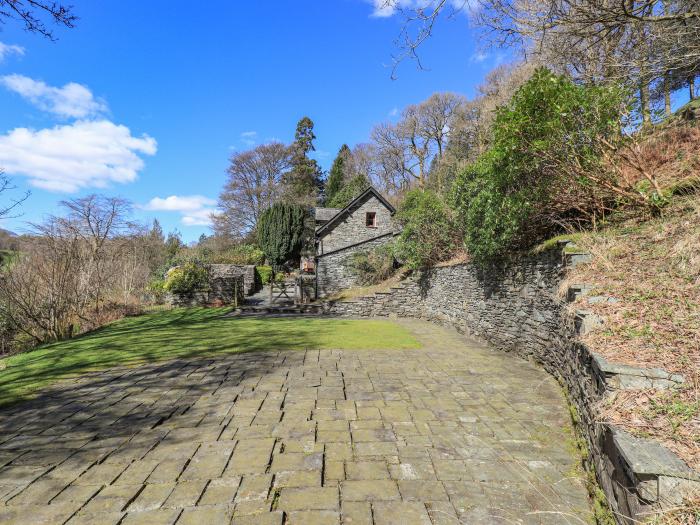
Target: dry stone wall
515 306
228 284
225 271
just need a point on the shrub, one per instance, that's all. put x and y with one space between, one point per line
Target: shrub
263 274
374 266
242 254
546 165
157 289
429 234
187 278
282 232
490 218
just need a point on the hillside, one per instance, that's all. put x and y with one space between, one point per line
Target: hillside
652 270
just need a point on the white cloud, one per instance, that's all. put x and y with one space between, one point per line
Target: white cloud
384 8
478 57
80 155
387 8
196 210
249 138
9 49
72 100
394 112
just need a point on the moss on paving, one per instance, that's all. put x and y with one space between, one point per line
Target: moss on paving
181 333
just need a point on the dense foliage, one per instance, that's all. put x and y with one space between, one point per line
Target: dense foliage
373 266
281 233
187 278
263 274
429 234
243 254
544 164
349 191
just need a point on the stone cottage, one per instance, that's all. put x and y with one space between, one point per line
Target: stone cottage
364 224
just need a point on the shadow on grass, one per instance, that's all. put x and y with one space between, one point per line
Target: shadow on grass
186 333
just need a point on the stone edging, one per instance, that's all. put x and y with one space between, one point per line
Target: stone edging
514 306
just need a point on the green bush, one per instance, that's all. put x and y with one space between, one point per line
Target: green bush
490 218
187 278
282 232
242 254
533 177
157 289
429 234
374 266
263 274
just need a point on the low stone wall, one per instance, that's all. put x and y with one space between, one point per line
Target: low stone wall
224 271
332 270
223 290
515 306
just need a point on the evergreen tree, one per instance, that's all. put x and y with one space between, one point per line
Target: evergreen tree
336 177
282 232
173 244
349 191
157 232
304 180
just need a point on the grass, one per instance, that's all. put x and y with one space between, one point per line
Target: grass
182 333
552 243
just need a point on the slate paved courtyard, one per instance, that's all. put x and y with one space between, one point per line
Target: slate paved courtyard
449 433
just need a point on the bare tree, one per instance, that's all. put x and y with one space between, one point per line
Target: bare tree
436 115
254 183
73 266
405 150
8 208
638 42
95 220
41 291
35 14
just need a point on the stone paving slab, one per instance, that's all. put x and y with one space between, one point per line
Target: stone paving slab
449 433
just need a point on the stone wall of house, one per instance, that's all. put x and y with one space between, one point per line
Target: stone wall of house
515 306
332 269
353 228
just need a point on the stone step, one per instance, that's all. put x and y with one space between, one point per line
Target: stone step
302 309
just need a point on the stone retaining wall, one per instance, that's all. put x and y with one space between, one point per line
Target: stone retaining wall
515 306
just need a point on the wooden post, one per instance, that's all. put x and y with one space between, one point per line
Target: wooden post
272 280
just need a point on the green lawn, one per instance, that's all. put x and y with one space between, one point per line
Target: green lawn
187 333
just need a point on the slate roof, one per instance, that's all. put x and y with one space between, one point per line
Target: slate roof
325 214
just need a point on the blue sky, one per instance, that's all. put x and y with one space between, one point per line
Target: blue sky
147 100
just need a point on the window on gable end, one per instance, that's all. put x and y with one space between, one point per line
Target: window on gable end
371 219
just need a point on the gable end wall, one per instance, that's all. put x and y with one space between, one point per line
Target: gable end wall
352 229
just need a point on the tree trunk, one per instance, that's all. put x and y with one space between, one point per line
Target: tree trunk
644 102
691 87
667 94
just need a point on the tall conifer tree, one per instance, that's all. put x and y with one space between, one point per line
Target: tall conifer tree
305 180
336 177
